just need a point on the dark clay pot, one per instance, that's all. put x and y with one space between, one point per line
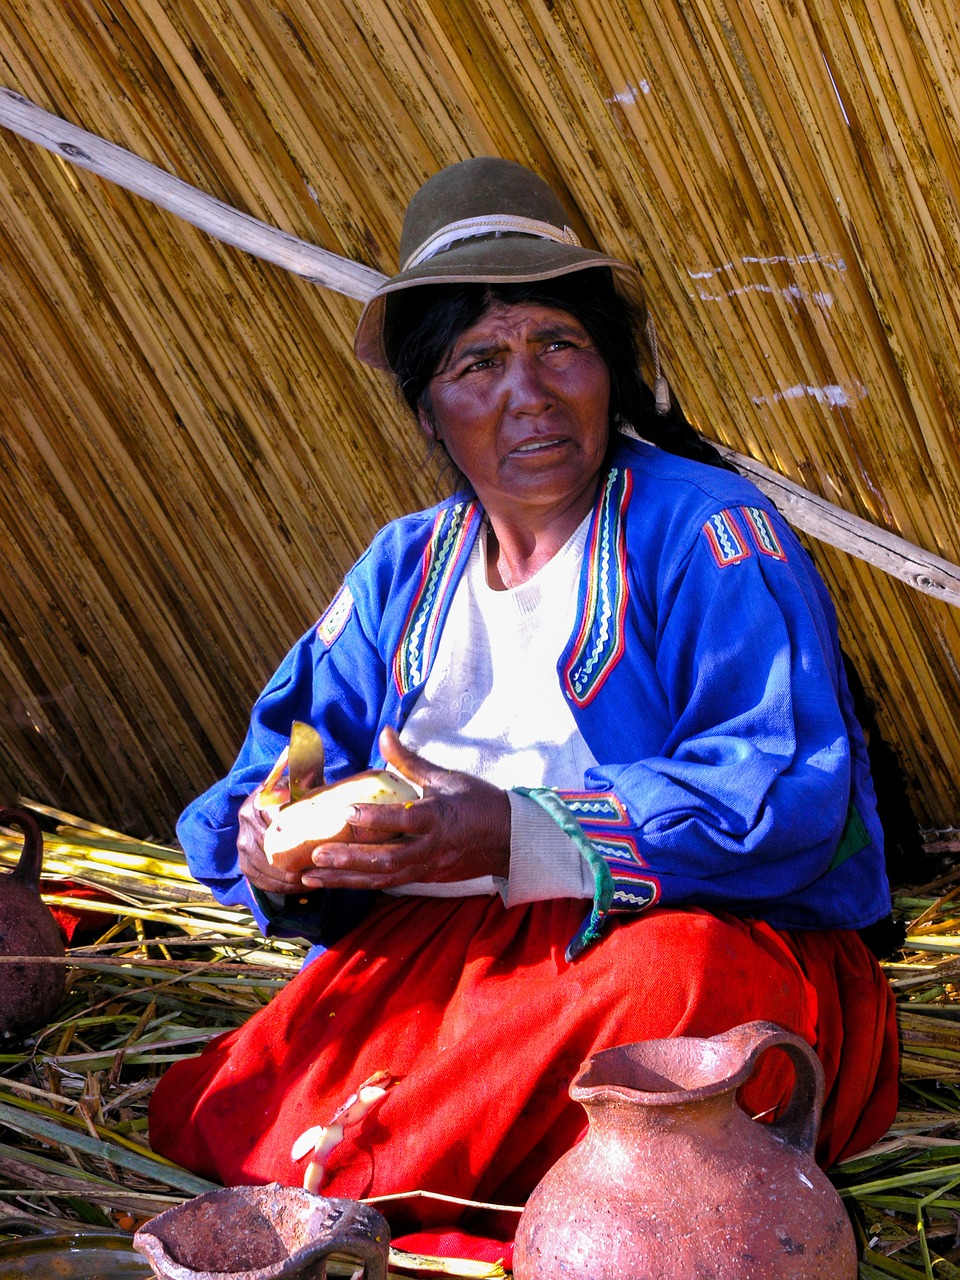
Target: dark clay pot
29 992
32 1250
672 1181
263 1233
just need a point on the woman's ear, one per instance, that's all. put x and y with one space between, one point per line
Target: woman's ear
427 424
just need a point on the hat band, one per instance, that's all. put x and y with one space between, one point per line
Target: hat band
492 224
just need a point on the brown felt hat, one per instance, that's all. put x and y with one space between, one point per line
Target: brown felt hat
484 220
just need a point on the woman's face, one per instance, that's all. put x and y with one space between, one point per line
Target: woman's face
521 405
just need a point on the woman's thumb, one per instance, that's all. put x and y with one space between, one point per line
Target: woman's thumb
406 762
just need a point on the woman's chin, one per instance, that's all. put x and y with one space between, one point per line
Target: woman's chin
551 475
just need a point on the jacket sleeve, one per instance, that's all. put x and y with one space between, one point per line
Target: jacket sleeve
747 794
333 679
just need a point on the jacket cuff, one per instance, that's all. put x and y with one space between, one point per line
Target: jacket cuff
593 925
544 862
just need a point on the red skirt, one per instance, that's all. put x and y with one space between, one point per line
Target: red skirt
476 1011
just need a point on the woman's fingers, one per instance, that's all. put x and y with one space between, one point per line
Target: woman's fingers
458 830
252 859
379 823
357 866
438 839
270 882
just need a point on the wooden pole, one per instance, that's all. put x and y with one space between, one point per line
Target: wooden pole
831 524
814 515
219 220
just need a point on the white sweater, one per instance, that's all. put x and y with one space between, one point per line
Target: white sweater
492 707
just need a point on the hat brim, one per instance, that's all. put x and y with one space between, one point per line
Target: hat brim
508 258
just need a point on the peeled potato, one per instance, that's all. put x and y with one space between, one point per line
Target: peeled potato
322 817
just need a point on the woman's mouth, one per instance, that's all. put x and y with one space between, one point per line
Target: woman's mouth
537 446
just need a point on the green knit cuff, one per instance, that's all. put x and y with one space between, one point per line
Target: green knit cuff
592 927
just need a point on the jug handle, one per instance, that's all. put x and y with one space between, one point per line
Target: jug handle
29 866
800 1121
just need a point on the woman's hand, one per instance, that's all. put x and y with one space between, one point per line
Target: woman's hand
458 830
253 861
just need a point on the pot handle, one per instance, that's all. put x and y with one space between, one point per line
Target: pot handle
799 1123
31 858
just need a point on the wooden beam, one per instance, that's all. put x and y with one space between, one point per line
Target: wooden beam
219 220
831 524
814 515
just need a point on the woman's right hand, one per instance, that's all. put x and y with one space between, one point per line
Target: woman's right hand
253 861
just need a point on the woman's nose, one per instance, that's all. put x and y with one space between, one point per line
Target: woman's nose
527 388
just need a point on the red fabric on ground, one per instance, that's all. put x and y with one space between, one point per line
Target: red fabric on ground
451 1243
81 925
476 1011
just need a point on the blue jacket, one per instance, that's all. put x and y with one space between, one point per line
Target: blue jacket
704 673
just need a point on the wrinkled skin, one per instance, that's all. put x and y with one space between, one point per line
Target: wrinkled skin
521 404
253 861
459 829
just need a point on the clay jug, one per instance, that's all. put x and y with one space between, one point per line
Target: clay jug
263 1233
672 1180
30 989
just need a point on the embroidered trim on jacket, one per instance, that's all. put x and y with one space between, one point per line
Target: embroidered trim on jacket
760 526
725 540
634 888
597 808
441 556
336 616
606 823
600 640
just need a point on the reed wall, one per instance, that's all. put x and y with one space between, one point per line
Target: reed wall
192 456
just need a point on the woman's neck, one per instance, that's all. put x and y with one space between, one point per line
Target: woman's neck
516 550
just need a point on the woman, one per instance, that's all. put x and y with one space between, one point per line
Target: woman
616 677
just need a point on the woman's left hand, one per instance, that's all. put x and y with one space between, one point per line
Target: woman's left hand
458 830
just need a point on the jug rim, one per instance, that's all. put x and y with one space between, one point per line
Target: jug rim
676 1069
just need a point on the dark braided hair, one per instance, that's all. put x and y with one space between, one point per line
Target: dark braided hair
428 320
